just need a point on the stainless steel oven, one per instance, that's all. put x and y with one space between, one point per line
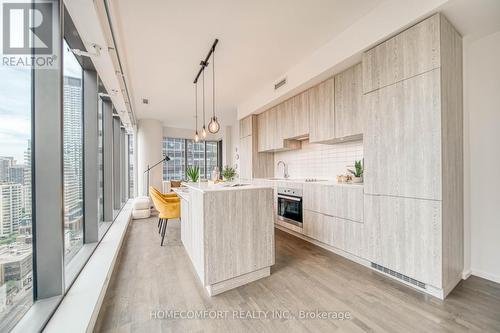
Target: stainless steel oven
290 206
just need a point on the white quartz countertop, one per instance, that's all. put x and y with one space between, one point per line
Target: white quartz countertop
327 182
208 187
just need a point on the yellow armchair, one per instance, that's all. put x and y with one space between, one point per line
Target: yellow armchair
168 206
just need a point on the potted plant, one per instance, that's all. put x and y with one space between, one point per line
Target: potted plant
193 173
229 173
357 173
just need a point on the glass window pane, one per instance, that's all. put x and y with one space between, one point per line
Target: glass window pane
72 154
175 168
131 165
212 157
101 160
16 262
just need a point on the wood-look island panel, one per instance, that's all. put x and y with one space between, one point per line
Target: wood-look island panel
230 234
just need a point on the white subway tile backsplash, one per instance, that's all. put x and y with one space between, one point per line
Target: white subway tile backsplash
319 160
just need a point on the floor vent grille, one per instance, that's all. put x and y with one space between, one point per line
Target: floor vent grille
398 275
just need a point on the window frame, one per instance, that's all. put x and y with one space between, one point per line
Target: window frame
207 173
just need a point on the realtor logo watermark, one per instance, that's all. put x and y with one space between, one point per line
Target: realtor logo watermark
28 34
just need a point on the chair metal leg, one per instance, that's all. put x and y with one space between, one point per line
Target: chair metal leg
160 223
164 231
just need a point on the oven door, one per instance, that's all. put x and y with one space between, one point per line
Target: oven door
290 209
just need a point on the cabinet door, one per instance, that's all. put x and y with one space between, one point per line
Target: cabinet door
412 52
299 115
348 103
404 234
246 126
326 229
343 201
246 157
262 133
402 139
321 112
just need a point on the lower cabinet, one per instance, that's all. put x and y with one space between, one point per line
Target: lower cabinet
337 232
405 235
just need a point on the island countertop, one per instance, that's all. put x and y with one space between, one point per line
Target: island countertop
207 187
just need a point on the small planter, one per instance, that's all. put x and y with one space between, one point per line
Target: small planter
357 180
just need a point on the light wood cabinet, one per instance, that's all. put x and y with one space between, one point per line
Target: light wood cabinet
273 126
412 52
337 232
253 164
404 235
321 112
343 201
295 117
402 140
246 126
413 154
349 108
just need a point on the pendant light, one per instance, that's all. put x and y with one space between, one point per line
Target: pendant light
213 126
196 137
203 131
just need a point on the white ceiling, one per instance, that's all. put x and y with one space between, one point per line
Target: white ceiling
162 42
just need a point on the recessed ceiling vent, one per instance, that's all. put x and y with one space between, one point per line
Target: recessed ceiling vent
280 83
145 101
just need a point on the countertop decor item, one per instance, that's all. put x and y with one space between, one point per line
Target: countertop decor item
229 173
357 173
193 173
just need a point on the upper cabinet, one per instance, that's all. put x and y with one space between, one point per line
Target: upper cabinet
295 116
349 110
321 112
412 52
252 163
246 126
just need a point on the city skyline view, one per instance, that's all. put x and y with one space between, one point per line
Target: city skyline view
15 181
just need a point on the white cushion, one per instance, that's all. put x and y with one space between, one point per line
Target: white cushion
141 203
141 213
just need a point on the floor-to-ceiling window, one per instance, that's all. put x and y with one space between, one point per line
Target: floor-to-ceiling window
131 184
100 145
184 153
72 154
174 148
16 254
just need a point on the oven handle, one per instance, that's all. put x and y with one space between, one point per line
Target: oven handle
289 198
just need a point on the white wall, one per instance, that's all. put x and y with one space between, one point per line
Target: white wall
149 146
482 156
318 160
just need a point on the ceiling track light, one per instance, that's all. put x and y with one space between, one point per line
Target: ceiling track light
213 126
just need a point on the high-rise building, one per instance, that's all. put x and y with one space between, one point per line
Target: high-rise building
16 174
27 182
73 151
10 208
5 163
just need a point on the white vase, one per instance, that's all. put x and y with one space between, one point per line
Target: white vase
357 180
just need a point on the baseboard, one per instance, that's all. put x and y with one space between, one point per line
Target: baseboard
466 274
430 290
220 287
486 275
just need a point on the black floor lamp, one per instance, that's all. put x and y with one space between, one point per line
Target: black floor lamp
165 159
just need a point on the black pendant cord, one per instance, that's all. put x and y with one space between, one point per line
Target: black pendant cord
203 79
213 83
196 106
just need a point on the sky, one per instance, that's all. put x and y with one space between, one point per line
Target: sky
15 105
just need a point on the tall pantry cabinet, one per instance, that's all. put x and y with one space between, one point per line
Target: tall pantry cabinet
413 153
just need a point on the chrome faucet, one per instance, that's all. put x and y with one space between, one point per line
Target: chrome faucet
285 169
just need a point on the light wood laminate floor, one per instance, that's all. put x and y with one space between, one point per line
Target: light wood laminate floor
150 278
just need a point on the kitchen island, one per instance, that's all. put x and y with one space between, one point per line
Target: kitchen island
228 233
